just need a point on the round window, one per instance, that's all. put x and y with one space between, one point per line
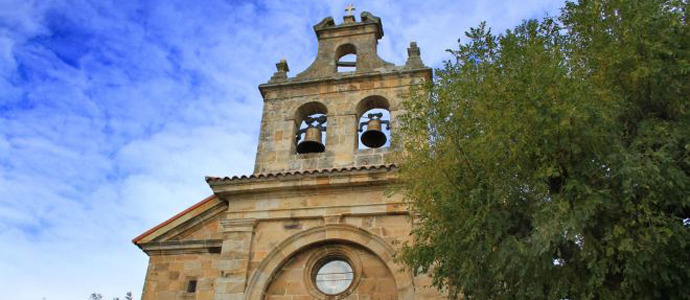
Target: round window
334 277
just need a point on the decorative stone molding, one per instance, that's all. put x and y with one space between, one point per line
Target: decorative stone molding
238 225
182 247
327 22
357 210
332 219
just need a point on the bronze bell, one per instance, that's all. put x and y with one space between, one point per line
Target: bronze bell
312 141
374 136
312 136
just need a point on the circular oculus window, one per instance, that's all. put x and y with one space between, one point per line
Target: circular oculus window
334 277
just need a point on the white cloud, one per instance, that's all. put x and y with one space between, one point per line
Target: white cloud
111 113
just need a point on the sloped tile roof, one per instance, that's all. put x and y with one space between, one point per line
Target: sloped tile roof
210 179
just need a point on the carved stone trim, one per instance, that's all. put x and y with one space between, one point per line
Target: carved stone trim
325 23
334 78
238 225
358 210
182 247
333 219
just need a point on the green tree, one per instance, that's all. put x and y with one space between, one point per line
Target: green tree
552 161
98 296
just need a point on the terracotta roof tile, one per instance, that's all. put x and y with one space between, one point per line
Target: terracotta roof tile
211 179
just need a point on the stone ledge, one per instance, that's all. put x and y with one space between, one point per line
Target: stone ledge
339 77
181 247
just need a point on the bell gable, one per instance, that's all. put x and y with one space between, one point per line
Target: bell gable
341 110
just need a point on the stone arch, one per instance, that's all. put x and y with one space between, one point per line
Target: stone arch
371 102
343 50
300 114
379 137
262 276
309 108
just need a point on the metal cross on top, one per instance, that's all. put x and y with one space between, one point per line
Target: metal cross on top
349 9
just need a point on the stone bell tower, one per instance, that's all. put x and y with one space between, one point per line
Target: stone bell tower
313 221
342 97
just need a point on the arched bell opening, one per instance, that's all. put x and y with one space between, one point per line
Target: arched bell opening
373 124
311 121
346 58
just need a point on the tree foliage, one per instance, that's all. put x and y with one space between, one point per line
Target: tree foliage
552 161
98 296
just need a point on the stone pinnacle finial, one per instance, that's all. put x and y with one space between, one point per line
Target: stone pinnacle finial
413 50
414 59
281 74
282 66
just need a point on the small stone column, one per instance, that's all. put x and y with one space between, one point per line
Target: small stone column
235 256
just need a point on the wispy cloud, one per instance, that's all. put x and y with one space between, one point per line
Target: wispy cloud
111 113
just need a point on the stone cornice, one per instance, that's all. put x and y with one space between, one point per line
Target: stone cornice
326 178
181 247
358 210
341 78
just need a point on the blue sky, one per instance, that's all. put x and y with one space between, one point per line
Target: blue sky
112 113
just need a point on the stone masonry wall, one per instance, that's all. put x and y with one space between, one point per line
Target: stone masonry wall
207 230
168 275
257 225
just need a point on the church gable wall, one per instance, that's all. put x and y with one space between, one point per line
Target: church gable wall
204 226
207 230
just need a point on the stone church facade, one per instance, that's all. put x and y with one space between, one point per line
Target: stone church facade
313 221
